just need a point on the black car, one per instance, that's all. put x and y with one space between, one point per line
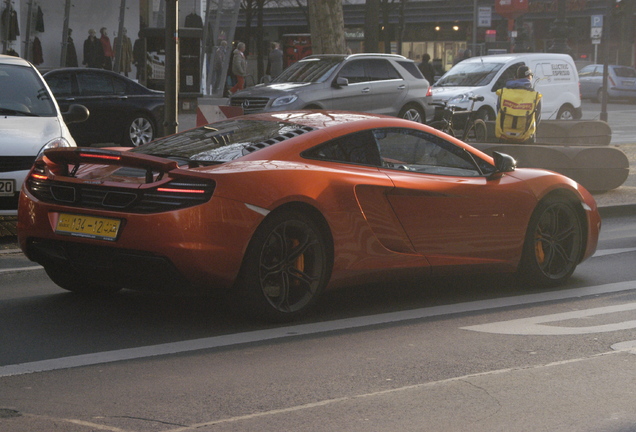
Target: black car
121 110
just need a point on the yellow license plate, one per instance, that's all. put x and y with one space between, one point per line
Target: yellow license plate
88 226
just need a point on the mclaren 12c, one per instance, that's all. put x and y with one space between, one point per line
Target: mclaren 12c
274 208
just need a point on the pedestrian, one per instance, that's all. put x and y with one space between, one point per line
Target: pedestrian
518 109
93 51
462 55
427 69
239 68
107 49
275 61
139 57
217 66
125 56
71 54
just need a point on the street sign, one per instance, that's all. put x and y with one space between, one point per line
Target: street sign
596 33
484 17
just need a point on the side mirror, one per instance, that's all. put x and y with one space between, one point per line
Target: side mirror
341 82
75 114
504 163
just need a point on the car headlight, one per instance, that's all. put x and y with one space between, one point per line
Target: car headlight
462 98
284 100
54 143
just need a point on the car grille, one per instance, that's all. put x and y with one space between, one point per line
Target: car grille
175 195
249 105
16 163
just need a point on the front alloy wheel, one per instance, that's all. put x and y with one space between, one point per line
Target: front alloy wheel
553 244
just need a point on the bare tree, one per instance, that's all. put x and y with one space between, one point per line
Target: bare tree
372 26
326 21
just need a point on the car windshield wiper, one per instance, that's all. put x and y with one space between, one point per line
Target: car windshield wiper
17 112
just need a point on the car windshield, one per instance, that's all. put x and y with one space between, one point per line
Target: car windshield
624 72
469 74
22 93
223 141
309 70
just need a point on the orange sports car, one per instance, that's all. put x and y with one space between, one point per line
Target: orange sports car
274 208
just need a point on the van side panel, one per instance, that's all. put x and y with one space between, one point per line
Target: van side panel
558 81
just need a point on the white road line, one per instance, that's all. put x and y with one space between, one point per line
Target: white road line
535 325
21 269
306 329
600 253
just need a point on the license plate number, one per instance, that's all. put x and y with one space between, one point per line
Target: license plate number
88 226
7 187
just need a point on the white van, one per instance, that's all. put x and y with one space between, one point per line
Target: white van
30 122
555 77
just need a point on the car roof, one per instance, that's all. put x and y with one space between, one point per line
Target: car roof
361 55
504 58
7 59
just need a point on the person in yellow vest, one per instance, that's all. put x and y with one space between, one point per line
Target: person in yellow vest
518 109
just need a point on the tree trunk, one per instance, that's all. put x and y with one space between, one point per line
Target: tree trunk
372 26
326 21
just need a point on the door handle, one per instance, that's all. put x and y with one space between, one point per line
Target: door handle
366 90
401 87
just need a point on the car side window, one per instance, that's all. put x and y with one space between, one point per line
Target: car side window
119 86
357 148
379 69
418 151
94 84
507 75
60 84
587 71
354 72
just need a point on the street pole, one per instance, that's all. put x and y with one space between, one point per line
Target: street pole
120 37
67 13
474 50
607 26
171 110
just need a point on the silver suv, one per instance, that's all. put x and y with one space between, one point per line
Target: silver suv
374 83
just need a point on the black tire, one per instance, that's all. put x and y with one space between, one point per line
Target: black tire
442 126
478 132
140 130
485 114
553 244
413 112
566 112
69 281
285 269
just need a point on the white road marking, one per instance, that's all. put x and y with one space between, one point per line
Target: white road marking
600 253
20 269
306 329
533 325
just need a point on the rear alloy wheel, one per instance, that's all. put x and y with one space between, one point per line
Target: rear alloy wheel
140 131
413 112
553 245
285 269
69 281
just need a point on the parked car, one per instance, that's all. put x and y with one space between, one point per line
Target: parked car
621 82
375 83
555 77
273 208
121 110
30 122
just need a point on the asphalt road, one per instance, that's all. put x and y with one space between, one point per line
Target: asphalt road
478 354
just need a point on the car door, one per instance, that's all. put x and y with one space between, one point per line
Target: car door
452 212
356 95
590 81
388 88
103 95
